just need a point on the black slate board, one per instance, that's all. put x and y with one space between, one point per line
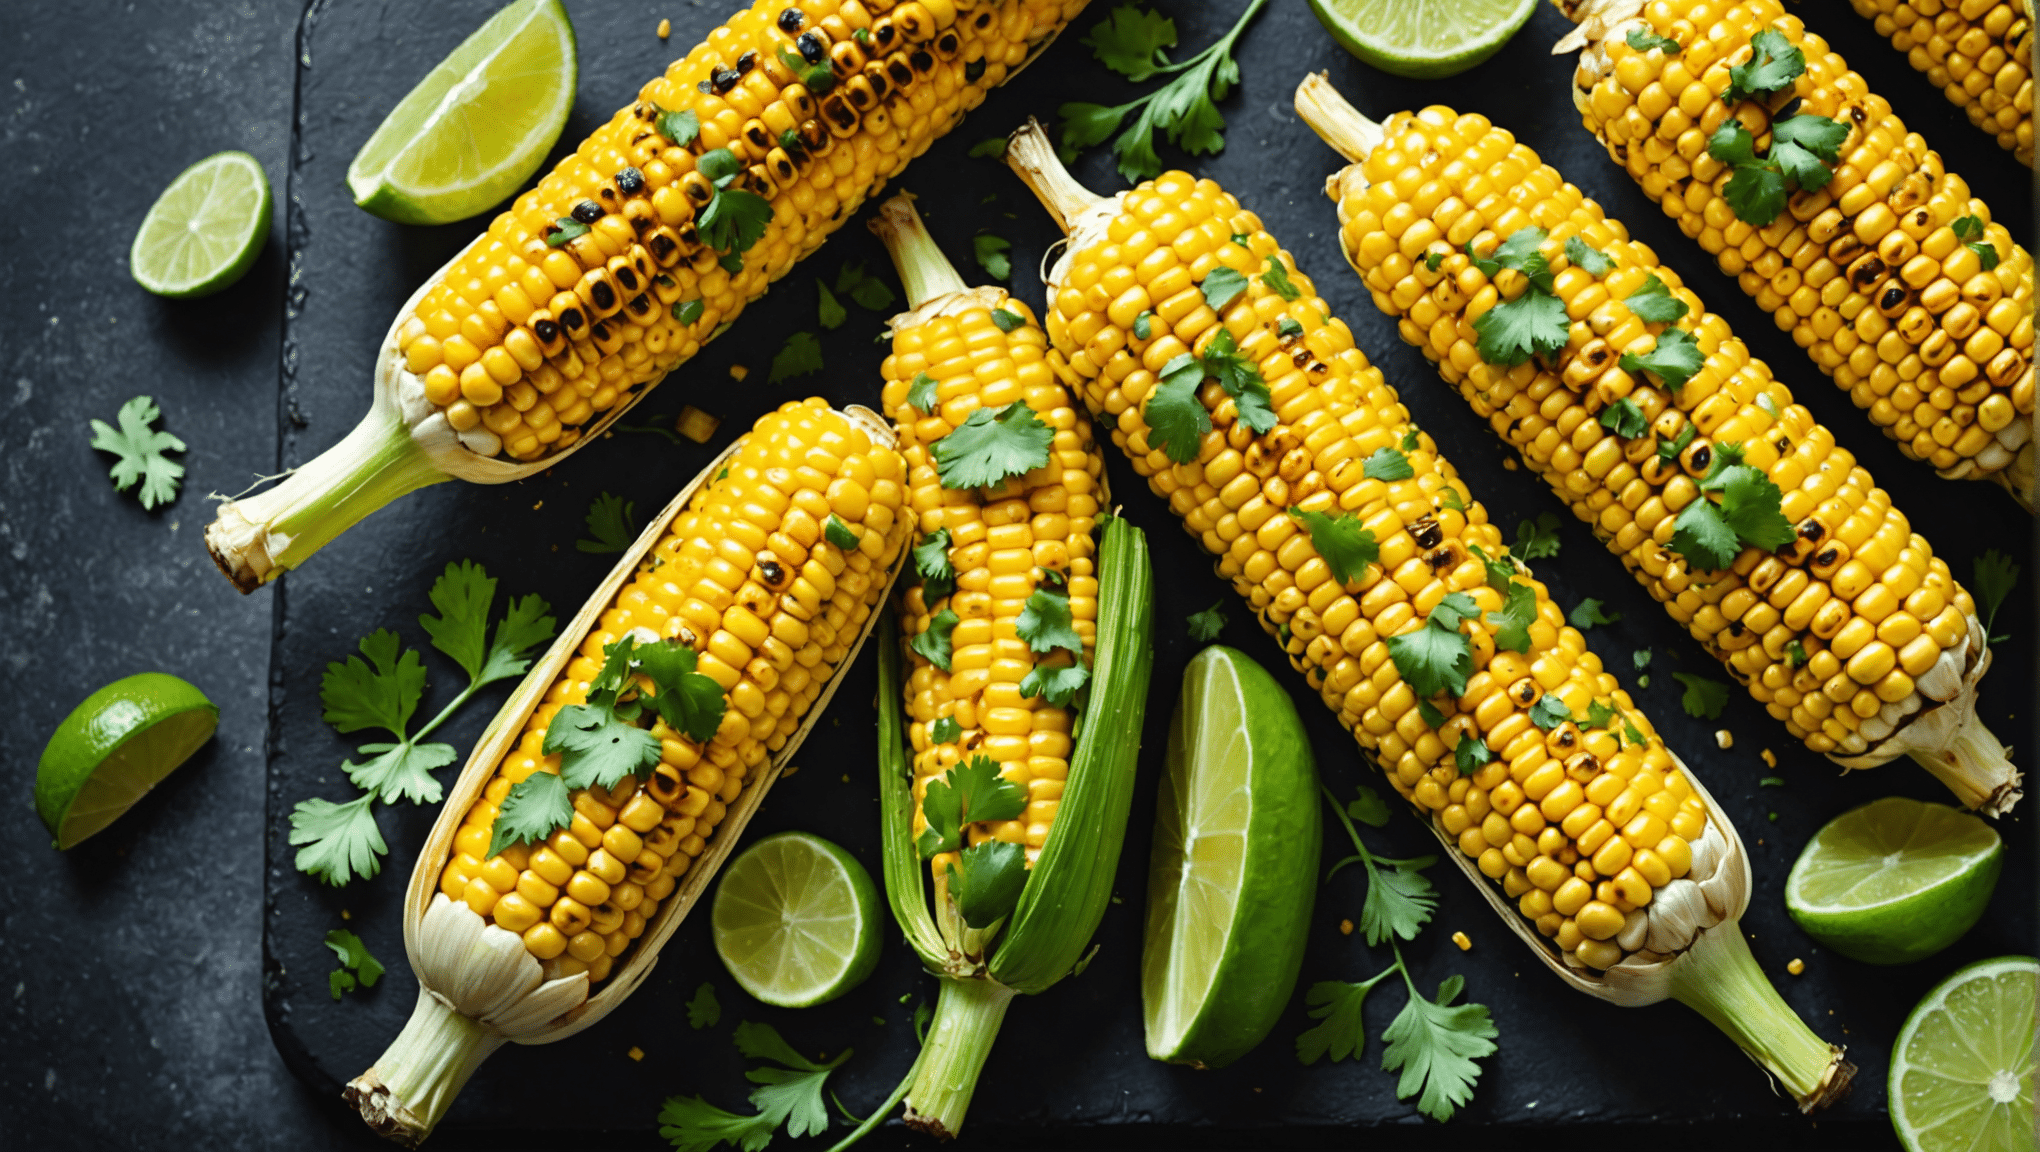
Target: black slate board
1070 1068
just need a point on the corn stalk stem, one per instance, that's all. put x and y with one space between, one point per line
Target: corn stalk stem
411 1085
1718 978
1031 156
967 1018
925 272
1976 768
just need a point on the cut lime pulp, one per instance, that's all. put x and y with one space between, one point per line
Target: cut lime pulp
1234 867
205 230
114 747
477 126
1422 39
1894 881
796 920
1962 1069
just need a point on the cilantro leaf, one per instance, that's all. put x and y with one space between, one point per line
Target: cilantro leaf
1278 281
1968 228
1368 808
354 956
1437 657
1432 718
1500 569
1590 612
610 523
1006 321
945 730
1436 1046
869 291
1400 900
1994 574
1184 108
1433 259
1703 537
1522 252
1387 464
464 594
1056 684
704 1010
1344 1030
682 128
1670 449
990 148
988 888
1640 658
1549 712
1756 193
1470 753
991 446
1045 623
1223 285
1287 327
733 221
793 1095
685 699
1537 539
970 793
688 311
597 746
1409 440
1674 358
1624 419
1347 547
692 1124
1514 330
801 355
1654 303
1596 262
1643 40
1176 421
402 770
1599 714
536 807
337 842
1512 623
355 697
1795 654
1752 506
933 644
836 532
1241 380
1804 146
1132 43
921 393
339 980
1703 699
1206 625
1630 730
1143 325
140 449
931 560
991 252
1773 65
829 312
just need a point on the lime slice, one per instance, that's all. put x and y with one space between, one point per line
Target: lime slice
1422 39
116 746
796 920
1234 867
1962 1069
206 228
1894 881
477 126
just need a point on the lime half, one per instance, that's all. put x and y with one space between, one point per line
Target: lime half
1894 881
1234 868
796 920
1962 1069
206 228
477 126
121 742
1422 39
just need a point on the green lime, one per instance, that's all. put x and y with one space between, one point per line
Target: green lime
205 230
1422 41
1962 1069
796 920
116 746
1894 881
477 126
1234 867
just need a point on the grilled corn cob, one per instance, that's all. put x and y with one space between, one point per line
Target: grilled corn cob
761 585
1977 52
1449 663
1010 621
1854 633
642 245
1869 273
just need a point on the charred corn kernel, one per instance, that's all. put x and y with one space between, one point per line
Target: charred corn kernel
1333 412
589 889
1032 533
1977 52
603 301
1834 584
1866 273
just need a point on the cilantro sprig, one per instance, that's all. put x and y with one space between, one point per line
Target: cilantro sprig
1437 657
1434 1043
140 450
1969 230
801 355
1710 533
1994 574
1535 322
1347 547
338 842
973 792
991 446
1803 146
357 968
1205 626
1703 699
931 562
611 525
794 1094
1177 420
1134 44
1045 624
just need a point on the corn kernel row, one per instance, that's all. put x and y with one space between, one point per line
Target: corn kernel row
1977 52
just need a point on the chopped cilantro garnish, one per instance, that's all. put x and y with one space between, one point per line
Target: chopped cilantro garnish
991 252
801 355
1654 303
1643 40
1512 623
1590 612
991 446
1387 464
1437 657
933 644
921 393
140 450
1205 626
1624 419
1346 547
1549 712
1673 360
1223 285
1703 699
1537 539
1772 67
1277 280
1593 260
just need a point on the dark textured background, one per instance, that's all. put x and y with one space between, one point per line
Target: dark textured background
141 974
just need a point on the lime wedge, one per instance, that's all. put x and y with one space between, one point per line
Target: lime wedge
1962 1069
206 228
477 126
796 920
1894 881
116 746
1234 867
1422 39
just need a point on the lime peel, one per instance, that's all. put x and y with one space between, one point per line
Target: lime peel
114 747
1895 880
